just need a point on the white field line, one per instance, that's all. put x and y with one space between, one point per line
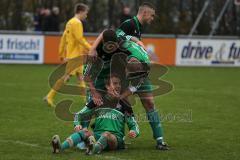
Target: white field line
110 157
24 143
48 148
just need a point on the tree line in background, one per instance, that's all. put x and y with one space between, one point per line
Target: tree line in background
172 16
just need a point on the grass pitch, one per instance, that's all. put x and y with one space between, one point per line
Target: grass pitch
200 117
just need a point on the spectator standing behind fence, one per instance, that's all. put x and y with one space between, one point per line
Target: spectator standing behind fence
38 18
125 14
46 24
55 20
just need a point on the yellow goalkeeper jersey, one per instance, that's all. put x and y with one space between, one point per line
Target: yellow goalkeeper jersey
73 43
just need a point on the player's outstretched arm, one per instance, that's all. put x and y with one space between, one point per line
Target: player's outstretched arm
90 76
130 120
133 127
83 115
121 34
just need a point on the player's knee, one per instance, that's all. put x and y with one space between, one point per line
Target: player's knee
106 134
66 78
70 141
148 104
87 133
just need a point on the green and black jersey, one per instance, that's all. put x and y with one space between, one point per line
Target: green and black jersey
130 28
127 48
101 68
136 51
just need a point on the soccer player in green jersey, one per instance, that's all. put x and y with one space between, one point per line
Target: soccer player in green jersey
110 119
132 28
140 85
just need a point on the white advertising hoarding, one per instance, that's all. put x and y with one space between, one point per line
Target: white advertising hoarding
196 52
21 49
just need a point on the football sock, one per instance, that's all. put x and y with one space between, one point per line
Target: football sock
65 145
100 145
155 124
81 83
55 88
51 94
73 140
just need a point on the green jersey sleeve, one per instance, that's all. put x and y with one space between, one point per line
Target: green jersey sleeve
82 115
121 34
131 27
132 124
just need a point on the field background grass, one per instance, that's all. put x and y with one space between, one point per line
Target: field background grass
201 117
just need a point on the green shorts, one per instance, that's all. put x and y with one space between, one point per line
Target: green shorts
100 84
120 141
145 87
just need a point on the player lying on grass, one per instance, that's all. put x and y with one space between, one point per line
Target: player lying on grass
110 119
108 45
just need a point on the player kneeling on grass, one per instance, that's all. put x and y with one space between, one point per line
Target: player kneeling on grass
110 119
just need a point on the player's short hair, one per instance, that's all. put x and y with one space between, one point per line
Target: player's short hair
146 5
109 35
108 78
80 7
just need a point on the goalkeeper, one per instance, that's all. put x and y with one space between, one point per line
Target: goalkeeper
110 119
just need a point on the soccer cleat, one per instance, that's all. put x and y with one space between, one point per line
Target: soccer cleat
56 144
90 145
49 101
162 146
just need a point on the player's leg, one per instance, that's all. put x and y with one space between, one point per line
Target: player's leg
59 83
106 140
72 68
79 74
71 141
153 117
91 74
57 86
